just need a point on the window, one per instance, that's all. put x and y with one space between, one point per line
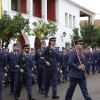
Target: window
15 5
66 19
74 22
70 20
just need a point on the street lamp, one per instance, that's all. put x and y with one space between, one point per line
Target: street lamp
63 35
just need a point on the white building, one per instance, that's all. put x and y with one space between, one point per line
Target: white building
65 13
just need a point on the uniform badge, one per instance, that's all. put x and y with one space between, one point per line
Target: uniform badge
23 58
40 53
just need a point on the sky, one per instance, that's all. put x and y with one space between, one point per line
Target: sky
93 5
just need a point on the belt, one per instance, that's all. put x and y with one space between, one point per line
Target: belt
53 60
16 66
41 57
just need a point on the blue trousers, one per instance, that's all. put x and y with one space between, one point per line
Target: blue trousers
88 68
7 79
13 81
51 76
41 78
93 67
72 86
64 73
19 85
59 76
99 66
33 80
28 84
1 75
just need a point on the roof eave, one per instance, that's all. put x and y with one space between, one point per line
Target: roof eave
83 8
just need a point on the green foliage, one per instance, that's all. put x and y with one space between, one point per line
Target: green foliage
75 36
43 29
98 37
89 34
12 28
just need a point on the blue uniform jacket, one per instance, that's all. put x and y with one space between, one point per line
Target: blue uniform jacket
13 62
52 56
64 60
98 57
26 64
74 65
89 57
60 59
3 61
39 57
94 56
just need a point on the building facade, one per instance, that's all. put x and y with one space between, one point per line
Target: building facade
65 13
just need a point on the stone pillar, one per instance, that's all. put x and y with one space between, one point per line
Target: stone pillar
44 9
9 6
29 7
90 19
57 10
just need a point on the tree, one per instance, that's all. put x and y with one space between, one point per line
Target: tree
75 36
43 29
11 29
89 34
98 37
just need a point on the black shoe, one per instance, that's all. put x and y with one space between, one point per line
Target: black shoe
93 73
62 81
55 97
36 81
16 98
33 83
31 98
42 92
46 95
5 86
59 82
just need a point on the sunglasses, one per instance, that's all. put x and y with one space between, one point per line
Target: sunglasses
53 40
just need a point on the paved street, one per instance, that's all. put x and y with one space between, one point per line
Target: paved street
93 83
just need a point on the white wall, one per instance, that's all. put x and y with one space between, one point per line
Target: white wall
62 7
66 7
